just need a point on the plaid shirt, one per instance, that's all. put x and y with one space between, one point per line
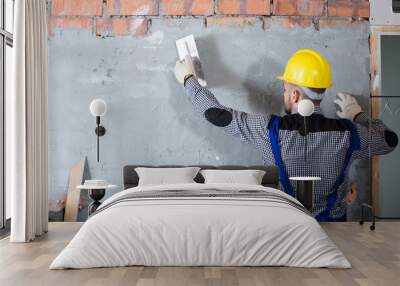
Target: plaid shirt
328 141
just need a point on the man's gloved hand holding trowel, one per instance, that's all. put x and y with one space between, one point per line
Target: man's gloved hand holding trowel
189 61
183 69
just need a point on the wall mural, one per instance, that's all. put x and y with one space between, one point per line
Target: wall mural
150 120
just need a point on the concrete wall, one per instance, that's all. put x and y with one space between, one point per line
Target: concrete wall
150 120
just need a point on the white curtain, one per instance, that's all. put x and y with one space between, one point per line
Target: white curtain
27 122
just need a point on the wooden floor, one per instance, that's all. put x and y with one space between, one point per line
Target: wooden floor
375 257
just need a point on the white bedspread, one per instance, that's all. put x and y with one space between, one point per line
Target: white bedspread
200 231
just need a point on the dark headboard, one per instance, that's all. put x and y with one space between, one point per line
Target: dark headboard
271 177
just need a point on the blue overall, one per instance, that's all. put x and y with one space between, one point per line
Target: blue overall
332 197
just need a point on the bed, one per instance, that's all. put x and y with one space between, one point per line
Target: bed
198 224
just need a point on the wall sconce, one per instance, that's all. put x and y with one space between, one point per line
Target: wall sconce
98 108
305 109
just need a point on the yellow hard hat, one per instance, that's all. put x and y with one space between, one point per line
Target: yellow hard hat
309 69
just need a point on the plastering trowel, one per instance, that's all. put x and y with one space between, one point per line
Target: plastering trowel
187 47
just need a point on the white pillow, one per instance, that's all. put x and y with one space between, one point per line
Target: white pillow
165 176
248 177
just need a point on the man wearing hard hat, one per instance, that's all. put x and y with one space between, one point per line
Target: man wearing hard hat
332 143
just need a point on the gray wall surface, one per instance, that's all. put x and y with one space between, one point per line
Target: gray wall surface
150 120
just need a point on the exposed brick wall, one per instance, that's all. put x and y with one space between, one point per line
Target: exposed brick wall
345 8
77 7
244 7
110 18
186 7
299 7
132 8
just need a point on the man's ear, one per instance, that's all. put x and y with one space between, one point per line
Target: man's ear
295 95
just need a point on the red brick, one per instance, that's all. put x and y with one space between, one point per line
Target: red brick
348 8
244 7
298 7
186 7
121 27
231 21
130 7
76 7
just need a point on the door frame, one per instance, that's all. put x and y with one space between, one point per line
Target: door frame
376 32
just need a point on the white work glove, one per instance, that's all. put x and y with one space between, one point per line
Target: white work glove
348 105
183 69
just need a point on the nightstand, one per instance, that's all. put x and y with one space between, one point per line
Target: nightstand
96 193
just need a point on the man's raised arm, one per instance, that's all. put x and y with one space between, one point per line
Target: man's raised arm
250 128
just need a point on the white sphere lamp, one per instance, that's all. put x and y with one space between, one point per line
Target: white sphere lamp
98 107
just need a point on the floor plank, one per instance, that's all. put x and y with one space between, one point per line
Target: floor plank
375 257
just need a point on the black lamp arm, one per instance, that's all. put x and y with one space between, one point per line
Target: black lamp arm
100 131
98 137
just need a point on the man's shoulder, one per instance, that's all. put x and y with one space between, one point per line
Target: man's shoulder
315 123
